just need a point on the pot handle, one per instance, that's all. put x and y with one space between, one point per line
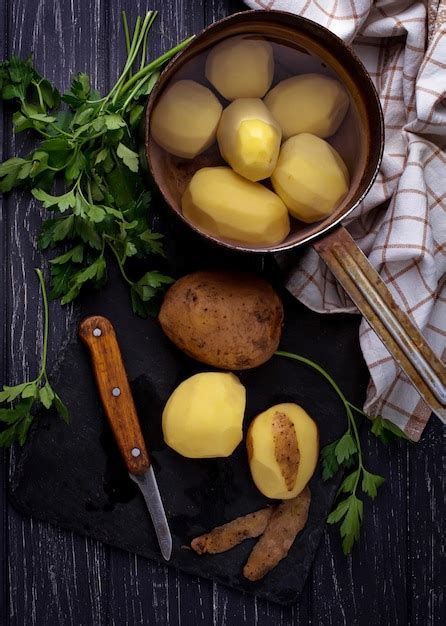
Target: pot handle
398 333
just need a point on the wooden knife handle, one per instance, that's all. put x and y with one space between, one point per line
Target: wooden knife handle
111 378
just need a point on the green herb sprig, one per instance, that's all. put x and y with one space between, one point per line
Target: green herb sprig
103 211
23 398
346 452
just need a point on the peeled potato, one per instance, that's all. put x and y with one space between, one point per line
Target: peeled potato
283 449
310 177
230 320
241 68
226 205
185 119
249 138
309 103
203 417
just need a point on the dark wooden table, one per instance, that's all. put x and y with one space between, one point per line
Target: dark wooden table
50 577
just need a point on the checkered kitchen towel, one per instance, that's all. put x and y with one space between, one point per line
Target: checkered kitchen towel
401 225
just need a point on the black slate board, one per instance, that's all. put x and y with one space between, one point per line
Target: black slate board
72 476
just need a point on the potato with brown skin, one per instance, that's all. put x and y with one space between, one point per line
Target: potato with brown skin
225 319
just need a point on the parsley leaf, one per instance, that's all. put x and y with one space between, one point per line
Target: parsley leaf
330 463
370 483
386 430
345 448
23 397
128 157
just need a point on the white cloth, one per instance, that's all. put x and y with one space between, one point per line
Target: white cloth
401 225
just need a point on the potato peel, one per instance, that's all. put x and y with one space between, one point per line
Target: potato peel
228 535
286 521
286 448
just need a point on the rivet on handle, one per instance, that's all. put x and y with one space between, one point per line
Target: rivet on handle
116 391
97 332
136 452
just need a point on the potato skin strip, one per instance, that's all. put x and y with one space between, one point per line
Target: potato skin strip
285 523
286 448
228 535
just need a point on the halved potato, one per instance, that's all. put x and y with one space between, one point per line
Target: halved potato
309 103
241 68
310 177
249 138
185 119
286 479
224 204
203 417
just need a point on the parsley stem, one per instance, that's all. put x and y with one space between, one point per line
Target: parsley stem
127 67
144 43
39 95
358 410
352 426
125 28
318 368
45 324
154 65
60 130
358 447
42 132
133 93
136 45
118 259
90 197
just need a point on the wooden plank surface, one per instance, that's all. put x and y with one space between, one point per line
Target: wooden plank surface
396 576
3 342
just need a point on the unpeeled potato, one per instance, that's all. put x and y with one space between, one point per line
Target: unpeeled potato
226 319
241 68
283 448
222 203
308 103
185 119
310 177
249 138
203 417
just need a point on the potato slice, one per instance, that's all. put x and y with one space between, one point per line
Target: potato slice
287 520
224 204
185 119
266 471
241 68
229 535
309 103
310 177
286 449
203 417
249 138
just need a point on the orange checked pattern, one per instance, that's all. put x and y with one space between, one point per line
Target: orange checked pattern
401 225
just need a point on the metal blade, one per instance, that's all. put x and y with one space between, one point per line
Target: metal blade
149 487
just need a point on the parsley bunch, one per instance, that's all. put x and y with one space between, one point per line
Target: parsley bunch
17 419
104 209
346 453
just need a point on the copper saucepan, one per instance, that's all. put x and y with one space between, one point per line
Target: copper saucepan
362 153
